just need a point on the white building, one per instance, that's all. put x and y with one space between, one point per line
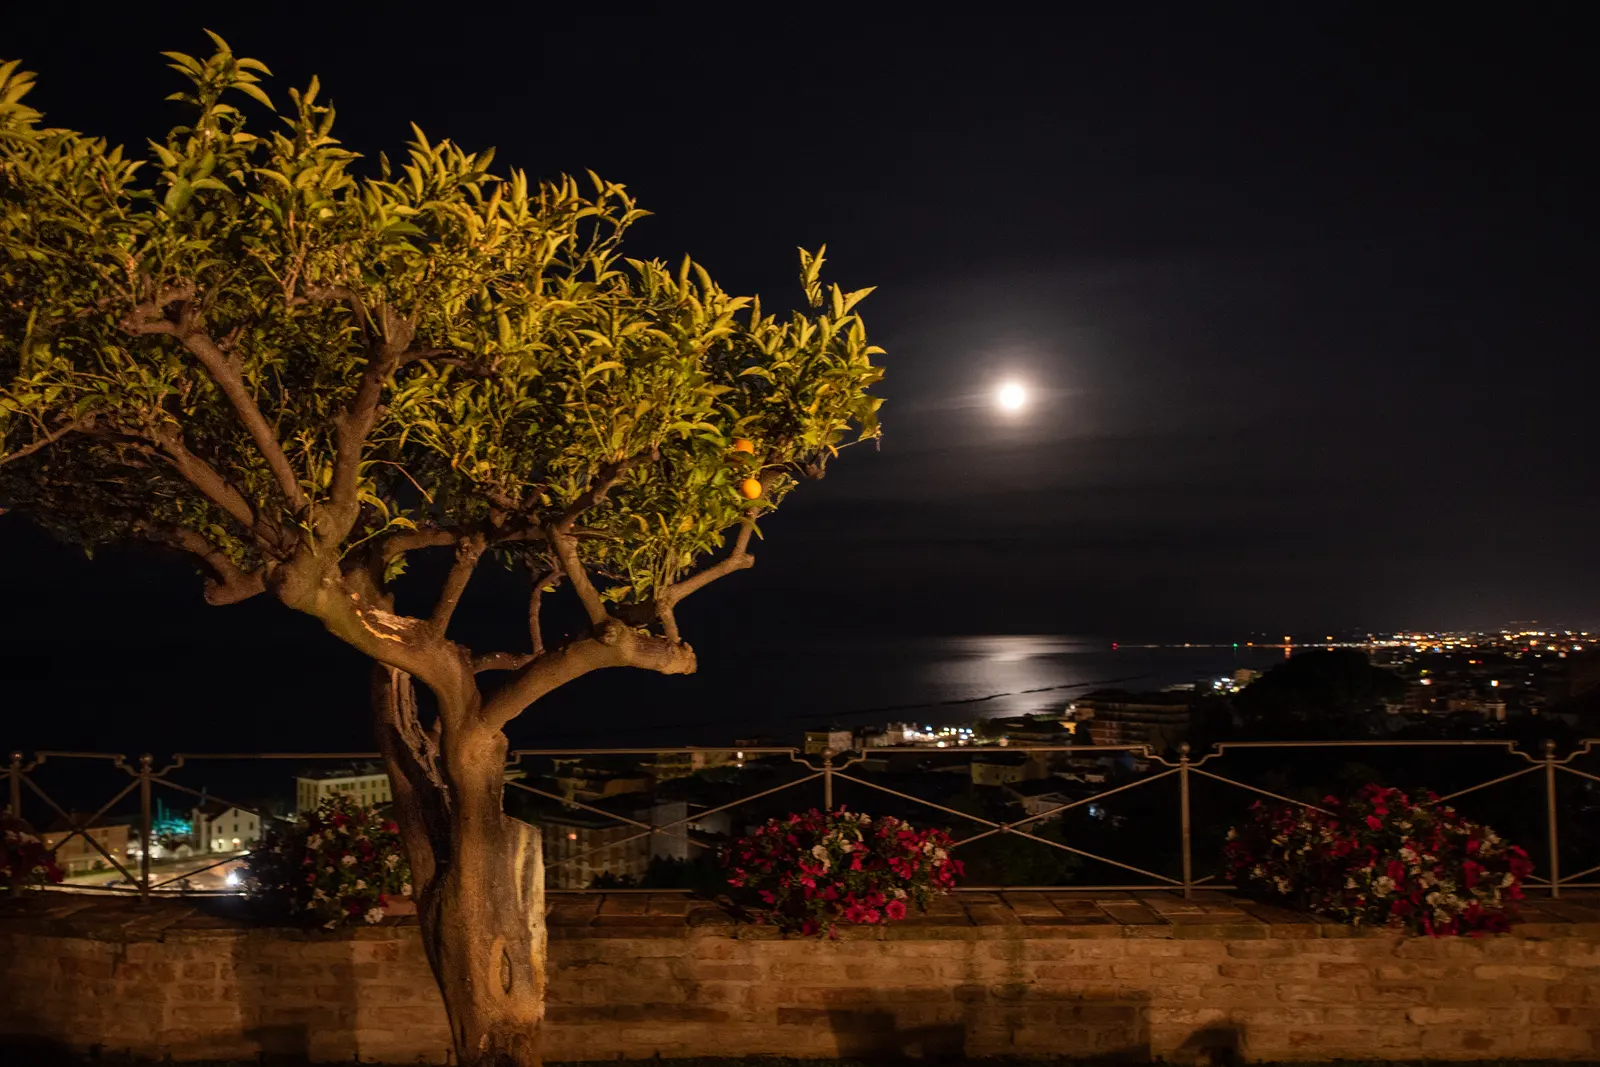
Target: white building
366 785
220 828
833 739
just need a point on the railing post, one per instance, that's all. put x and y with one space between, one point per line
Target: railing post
145 762
1551 822
15 775
827 779
1183 816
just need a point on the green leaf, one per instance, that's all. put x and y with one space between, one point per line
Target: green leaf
255 93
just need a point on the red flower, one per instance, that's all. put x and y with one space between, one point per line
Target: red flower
890 864
1329 862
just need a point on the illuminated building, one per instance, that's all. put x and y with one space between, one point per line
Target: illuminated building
368 785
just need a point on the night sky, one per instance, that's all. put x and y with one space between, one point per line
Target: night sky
1305 299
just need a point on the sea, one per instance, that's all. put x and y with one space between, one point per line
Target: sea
777 689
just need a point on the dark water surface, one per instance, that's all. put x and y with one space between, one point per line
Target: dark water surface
778 689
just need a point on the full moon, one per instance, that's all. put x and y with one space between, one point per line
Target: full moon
1011 396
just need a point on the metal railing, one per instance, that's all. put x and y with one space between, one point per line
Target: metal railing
830 773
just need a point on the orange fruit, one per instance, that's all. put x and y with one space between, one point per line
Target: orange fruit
743 444
751 488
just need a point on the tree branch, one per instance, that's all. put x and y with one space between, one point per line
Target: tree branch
549 578
607 477
402 641
566 549
151 317
398 544
230 584
50 438
737 560
559 533
614 645
332 294
501 661
355 422
446 357
468 551
209 483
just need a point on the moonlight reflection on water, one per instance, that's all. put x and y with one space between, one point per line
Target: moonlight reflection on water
777 690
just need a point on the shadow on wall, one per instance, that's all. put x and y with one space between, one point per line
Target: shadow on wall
1014 1020
38 1052
298 1009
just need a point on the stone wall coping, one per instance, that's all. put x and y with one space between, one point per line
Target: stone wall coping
975 915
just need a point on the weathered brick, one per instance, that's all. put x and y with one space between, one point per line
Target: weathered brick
1499 972
1072 972
1315 993
635 988
1260 950
1433 1016
1393 992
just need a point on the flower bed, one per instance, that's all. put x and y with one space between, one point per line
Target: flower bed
1381 858
341 863
808 872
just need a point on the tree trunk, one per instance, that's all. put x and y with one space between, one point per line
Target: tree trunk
477 874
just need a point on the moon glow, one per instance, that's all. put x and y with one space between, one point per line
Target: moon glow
1011 396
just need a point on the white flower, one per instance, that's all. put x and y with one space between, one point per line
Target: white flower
348 859
373 915
405 890
319 895
939 855
361 883
900 894
330 924
1382 886
329 868
821 853
313 841
1507 880
392 860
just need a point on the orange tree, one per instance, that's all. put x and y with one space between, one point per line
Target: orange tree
300 368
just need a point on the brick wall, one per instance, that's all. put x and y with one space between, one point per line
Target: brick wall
634 976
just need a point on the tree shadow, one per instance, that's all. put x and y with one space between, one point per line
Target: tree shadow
1214 1046
298 1007
1016 1020
37 1052
997 1020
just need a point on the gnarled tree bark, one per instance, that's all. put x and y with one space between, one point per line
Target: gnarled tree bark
477 873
